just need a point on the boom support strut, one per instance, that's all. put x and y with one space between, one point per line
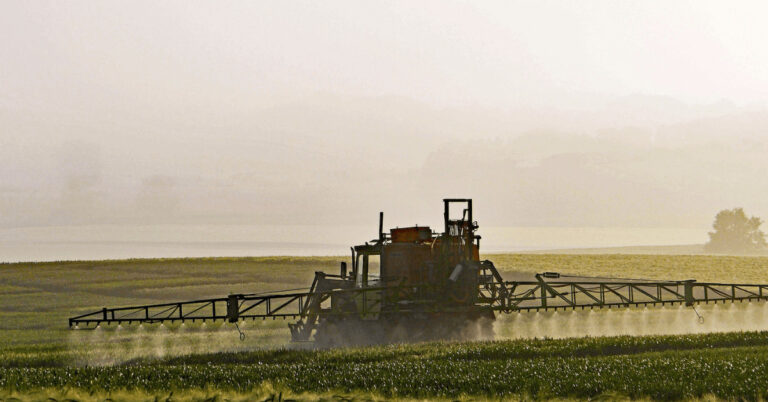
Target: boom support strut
494 295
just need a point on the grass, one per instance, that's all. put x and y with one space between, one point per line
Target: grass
668 367
37 298
704 268
262 392
40 357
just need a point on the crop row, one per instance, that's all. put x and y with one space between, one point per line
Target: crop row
489 350
672 374
66 355
730 374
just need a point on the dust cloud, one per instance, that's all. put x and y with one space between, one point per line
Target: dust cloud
105 346
636 321
110 345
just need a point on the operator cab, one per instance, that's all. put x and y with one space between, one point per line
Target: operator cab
416 255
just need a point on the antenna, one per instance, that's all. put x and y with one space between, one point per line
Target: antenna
381 227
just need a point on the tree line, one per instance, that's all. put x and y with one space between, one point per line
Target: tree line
735 232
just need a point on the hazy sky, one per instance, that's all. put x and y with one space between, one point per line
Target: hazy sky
549 113
499 54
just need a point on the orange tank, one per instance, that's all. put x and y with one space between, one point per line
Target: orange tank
411 235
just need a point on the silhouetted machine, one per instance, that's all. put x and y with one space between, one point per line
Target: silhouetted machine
413 284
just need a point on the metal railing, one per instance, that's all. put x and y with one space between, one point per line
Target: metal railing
505 297
545 295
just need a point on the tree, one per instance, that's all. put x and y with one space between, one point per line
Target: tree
734 232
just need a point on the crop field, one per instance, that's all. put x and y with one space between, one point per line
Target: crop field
535 355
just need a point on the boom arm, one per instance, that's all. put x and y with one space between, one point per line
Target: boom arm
231 308
506 297
544 295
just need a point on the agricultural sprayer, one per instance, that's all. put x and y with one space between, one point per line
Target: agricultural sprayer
413 284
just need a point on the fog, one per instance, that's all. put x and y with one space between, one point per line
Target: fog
548 114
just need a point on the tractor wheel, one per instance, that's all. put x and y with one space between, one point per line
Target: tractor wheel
398 333
328 335
485 330
481 326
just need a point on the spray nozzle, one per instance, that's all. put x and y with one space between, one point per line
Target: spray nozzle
242 334
700 317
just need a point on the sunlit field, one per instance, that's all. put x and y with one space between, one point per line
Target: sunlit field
635 353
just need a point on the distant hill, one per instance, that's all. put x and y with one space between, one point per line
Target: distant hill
683 249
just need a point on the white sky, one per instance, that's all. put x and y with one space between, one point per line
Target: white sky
328 111
442 52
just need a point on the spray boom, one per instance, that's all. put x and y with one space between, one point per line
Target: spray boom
413 284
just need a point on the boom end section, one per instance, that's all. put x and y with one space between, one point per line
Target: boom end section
233 308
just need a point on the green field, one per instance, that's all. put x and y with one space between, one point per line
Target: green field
40 357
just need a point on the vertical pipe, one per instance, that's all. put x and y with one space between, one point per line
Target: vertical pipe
445 215
381 227
233 308
301 305
470 233
469 207
602 293
688 286
573 294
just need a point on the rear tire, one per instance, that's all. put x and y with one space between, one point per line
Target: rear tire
411 328
327 335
